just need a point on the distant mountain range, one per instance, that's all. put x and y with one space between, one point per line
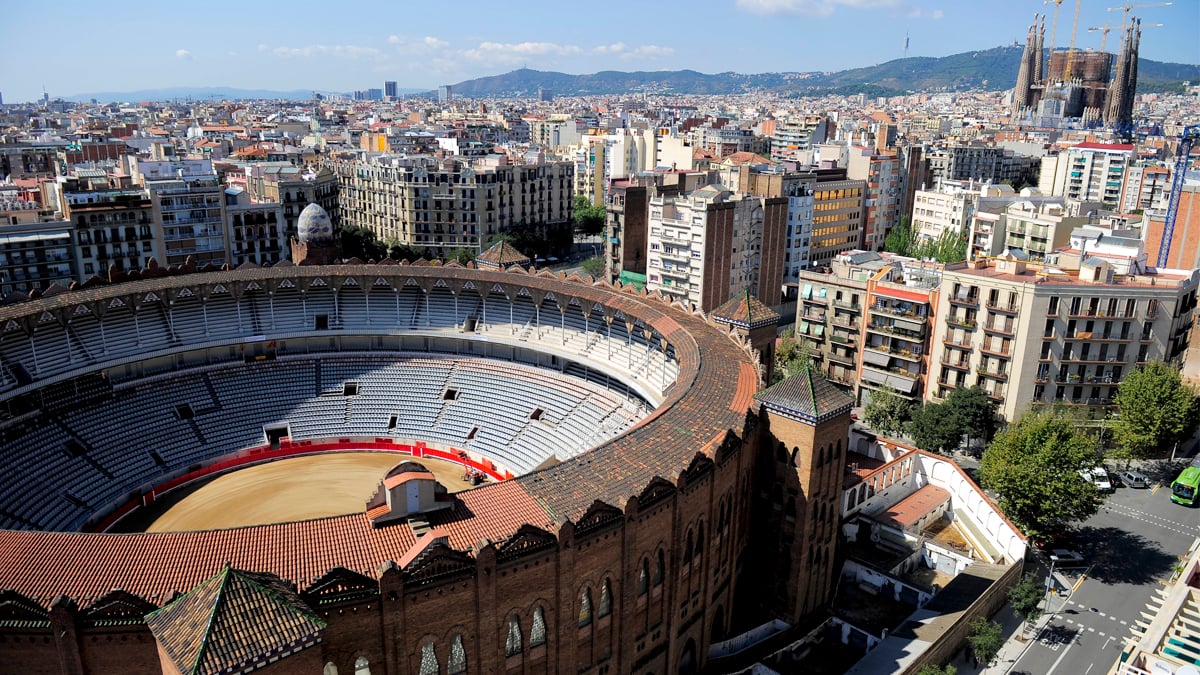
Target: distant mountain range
992 69
203 94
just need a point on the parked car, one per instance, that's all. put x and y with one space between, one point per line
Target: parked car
1098 477
1065 558
1135 479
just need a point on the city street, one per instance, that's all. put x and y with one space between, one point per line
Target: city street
1128 547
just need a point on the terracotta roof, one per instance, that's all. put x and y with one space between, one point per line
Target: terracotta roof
706 403
502 254
910 510
1112 147
232 621
745 311
807 395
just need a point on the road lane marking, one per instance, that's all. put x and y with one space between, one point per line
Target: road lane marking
1061 656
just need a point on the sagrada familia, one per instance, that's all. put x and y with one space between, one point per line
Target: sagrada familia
1084 84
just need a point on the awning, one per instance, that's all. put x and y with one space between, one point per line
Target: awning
807 293
873 376
910 325
901 384
875 358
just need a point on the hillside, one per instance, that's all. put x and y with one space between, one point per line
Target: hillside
994 68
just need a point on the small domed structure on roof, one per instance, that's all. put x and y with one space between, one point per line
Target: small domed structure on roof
314 226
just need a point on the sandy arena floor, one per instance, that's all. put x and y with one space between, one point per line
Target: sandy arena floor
297 488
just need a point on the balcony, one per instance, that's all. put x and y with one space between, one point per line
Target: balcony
963 365
999 328
897 312
840 339
1002 353
951 342
966 300
1007 309
844 359
847 305
845 322
816 299
896 330
983 372
965 324
905 354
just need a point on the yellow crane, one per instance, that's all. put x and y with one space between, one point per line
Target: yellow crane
1071 49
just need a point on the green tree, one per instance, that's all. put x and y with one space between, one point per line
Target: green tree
594 266
901 239
888 413
938 670
935 427
462 255
361 243
589 219
1155 410
1025 597
974 412
791 356
1033 465
985 639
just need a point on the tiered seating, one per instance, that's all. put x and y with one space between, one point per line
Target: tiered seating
151 427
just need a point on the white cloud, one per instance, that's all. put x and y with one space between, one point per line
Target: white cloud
434 43
183 54
395 40
647 52
336 51
614 48
810 7
511 52
231 53
918 13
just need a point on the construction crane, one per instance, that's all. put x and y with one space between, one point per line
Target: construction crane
1189 137
1071 49
1106 29
1126 7
1053 31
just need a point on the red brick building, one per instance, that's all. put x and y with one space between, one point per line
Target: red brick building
713 514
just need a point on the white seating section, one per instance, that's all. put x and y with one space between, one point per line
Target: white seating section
137 436
121 335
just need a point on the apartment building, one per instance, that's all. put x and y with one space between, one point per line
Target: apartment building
837 221
829 314
899 321
1087 172
980 162
793 139
444 204
112 227
1033 335
1033 224
256 230
627 208
34 255
880 170
951 205
798 187
710 244
1146 187
189 209
294 188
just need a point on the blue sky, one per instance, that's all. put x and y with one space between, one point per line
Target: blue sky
72 47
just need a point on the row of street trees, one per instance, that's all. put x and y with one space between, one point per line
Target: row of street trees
936 427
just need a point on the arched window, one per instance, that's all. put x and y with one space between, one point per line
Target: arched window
700 540
429 662
457 663
329 669
658 569
362 666
781 453
512 645
605 599
537 632
585 608
796 456
643 582
691 545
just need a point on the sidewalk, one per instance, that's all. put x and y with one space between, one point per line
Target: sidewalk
1018 640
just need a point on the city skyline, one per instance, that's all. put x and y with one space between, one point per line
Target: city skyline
309 47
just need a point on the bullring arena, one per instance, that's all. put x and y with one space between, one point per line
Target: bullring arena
613 433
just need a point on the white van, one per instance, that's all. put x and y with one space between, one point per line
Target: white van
1098 477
